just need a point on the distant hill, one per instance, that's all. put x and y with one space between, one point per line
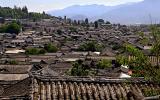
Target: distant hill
82 11
141 12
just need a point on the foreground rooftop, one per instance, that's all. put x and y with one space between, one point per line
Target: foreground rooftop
39 87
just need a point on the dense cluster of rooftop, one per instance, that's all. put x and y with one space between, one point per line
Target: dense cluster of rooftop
57 58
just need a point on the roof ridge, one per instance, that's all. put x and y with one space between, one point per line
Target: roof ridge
92 79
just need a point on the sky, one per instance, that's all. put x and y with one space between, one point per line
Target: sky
48 5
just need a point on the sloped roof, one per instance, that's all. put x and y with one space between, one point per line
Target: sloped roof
15 69
88 90
74 88
61 67
47 71
12 77
21 88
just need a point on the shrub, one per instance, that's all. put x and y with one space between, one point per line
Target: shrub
11 28
35 51
151 92
50 48
80 69
104 63
13 62
91 46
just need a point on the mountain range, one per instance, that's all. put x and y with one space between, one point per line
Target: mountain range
144 12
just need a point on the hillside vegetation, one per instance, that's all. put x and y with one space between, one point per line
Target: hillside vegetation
21 13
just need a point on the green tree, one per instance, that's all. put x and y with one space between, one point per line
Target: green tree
138 64
42 51
96 24
91 46
152 73
100 20
43 13
86 21
35 51
104 63
50 48
107 22
32 51
20 13
75 22
25 9
122 60
79 69
144 40
59 31
73 29
13 62
3 29
141 65
140 61
13 28
155 32
79 22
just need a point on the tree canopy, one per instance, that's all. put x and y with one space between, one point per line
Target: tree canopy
86 21
155 33
91 46
79 68
21 13
104 63
139 64
35 51
13 27
100 20
96 24
50 48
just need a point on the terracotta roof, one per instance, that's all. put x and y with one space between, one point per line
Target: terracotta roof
78 88
49 89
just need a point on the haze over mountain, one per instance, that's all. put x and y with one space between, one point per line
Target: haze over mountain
142 12
132 13
85 11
